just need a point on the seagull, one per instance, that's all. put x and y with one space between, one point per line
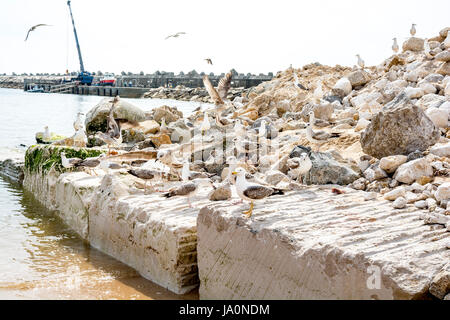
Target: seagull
113 126
205 124
426 49
109 140
176 35
360 61
69 162
317 137
395 46
262 131
297 82
299 166
187 174
80 138
163 128
239 129
250 191
90 163
222 88
209 61
145 174
187 189
413 29
78 124
318 92
46 135
34 28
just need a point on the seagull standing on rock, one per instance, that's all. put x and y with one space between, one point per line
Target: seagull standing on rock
318 92
187 189
361 63
205 124
317 137
412 31
395 46
46 135
78 124
250 191
299 166
69 163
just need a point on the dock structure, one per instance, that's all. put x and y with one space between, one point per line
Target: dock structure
50 86
135 86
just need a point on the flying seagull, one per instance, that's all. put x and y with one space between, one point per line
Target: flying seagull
34 28
176 35
209 61
222 89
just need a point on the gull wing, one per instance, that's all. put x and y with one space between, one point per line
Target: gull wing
211 90
224 85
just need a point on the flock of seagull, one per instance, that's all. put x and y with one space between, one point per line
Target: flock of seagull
248 187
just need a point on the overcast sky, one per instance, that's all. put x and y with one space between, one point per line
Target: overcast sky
250 36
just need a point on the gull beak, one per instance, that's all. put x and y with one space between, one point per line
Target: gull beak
234 173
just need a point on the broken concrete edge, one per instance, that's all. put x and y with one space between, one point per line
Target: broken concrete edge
127 227
281 269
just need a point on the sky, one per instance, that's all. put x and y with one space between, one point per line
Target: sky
249 36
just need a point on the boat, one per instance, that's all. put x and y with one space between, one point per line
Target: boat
36 89
107 80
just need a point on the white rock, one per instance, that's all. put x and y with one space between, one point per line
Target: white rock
416 187
447 90
370 196
342 87
396 193
413 170
441 150
391 163
421 204
362 124
428 88
414 93
431 203
399 203
434 218
381 84
446 106
443 192
374 172
438 116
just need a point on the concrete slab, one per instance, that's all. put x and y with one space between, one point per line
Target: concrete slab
312 244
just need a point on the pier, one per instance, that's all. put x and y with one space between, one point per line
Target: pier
75 88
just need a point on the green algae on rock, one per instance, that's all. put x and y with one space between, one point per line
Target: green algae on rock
43 157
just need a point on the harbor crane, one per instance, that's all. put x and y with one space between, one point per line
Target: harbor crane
84 77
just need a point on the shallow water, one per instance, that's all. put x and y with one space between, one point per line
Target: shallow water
40 257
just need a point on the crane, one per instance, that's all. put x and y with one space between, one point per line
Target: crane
84 77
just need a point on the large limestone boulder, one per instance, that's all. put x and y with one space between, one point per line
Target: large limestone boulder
358 78
96 117
413 44
327 170
400 128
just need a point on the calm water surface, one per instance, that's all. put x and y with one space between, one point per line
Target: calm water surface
40 257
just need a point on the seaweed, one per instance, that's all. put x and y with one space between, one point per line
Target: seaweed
41 158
